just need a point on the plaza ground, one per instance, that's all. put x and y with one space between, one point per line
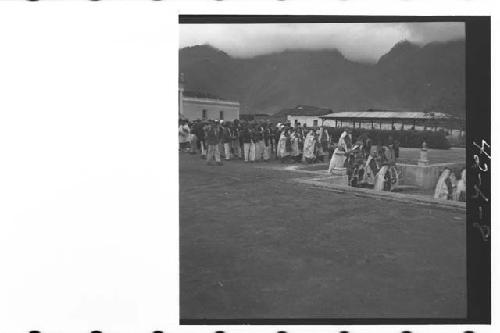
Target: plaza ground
255 244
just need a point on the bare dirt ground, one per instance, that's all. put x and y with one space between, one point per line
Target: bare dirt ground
254 244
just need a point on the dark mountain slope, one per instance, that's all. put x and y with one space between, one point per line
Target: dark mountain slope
431 77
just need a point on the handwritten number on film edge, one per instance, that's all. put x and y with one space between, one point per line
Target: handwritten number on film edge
480 169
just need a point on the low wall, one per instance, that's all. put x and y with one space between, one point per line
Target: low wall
424 176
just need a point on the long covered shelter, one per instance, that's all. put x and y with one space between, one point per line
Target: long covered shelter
394 120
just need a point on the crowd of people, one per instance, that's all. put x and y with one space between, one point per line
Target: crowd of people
254 141
366 163
262 141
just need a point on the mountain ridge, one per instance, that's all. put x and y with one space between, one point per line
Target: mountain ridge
428 78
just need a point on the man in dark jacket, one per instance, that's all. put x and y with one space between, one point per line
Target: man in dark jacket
213 139
259 143
246 140
235 140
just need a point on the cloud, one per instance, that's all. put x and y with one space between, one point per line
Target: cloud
435 31
357 41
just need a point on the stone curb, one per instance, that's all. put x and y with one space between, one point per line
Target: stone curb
407 198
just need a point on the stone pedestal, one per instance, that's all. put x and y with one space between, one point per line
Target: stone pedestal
423 160
424 177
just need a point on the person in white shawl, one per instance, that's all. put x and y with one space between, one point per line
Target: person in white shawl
309 143
322 143
294 139
338 157
371 167
282 153
441 191
459 194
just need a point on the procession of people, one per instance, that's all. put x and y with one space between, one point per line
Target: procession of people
262 141
367 162
254 141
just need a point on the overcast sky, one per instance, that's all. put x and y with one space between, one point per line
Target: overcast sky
357 41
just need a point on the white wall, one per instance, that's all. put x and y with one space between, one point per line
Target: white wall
308 120
194 110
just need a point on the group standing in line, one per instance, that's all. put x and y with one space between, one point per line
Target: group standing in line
253 141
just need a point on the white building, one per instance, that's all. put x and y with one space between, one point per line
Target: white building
193 106
310 121
305 114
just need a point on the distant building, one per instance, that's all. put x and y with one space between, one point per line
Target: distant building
310 121
305 114
401 120
203 106
209 109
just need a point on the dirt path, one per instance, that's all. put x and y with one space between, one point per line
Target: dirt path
255 245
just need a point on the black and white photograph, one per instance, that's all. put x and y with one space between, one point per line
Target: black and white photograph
234 166
322 170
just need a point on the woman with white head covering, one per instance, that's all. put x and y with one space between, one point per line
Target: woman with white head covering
443 185
279 132
294 140
338 157
323 139
282 151
309 144
460 192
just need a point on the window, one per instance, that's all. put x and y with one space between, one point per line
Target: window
204 114
296 121
221 115
315 123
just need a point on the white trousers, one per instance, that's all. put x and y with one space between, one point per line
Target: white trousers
246 151
227 151
213 153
